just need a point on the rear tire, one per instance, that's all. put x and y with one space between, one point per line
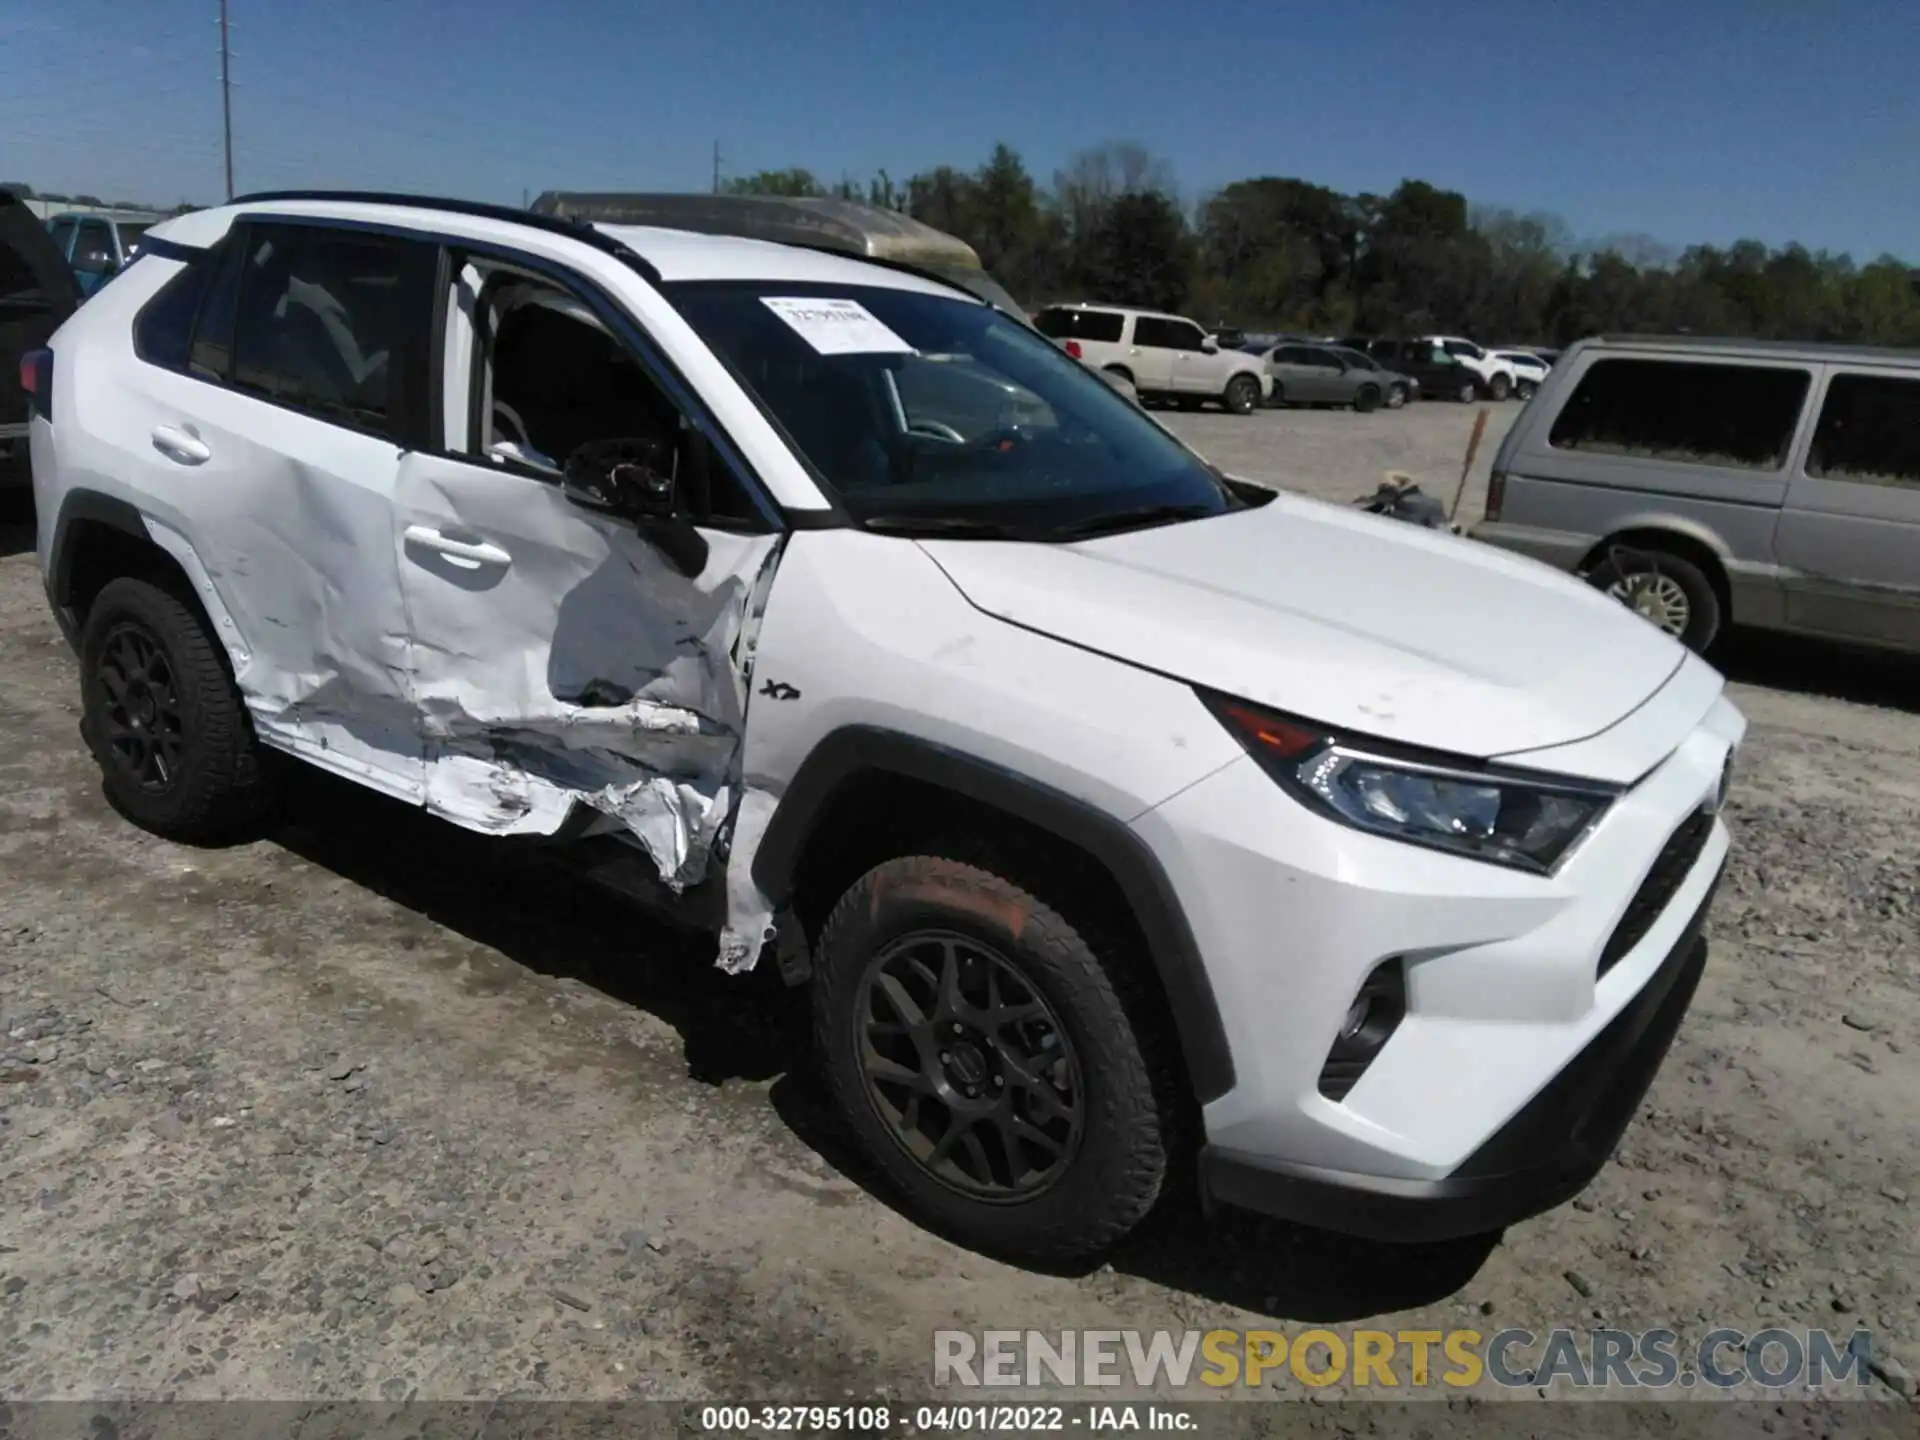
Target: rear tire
908 1057
1467 393
164 719
1524 390
1667 590
1242 395
1368 400
1500 387
1124 373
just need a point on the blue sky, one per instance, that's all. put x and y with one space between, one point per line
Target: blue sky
1686 120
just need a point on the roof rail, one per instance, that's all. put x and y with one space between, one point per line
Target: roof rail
573 229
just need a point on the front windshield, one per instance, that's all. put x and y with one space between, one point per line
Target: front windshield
1356 358
926 413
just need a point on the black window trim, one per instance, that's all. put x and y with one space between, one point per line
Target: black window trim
430 426
661 370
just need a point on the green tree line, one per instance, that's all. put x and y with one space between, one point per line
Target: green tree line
1280 253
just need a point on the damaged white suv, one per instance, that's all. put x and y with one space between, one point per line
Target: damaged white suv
1124 819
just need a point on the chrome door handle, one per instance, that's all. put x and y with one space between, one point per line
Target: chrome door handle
180 445
468 554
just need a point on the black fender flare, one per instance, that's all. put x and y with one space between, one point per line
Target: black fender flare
85 507
857 750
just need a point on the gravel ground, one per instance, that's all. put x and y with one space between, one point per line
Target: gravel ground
369 1108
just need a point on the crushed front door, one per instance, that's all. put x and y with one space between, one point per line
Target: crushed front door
561 661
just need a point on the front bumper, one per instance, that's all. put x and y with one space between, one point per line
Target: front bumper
1511 980
1542 1157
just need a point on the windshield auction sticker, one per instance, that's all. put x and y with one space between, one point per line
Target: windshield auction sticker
837 327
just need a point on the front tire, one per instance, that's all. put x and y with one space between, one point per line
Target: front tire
1242 395
164 720
1467 393
979 1049
1396 397
1668 591
1500 387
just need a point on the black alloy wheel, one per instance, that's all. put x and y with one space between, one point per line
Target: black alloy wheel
968 1066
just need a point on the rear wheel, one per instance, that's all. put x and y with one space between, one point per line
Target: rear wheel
1664 589
1368 399
979 1048
164 719
1243 395
1467 392
1500 387
1524 389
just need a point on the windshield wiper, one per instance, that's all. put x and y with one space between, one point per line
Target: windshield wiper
1136 519
947 527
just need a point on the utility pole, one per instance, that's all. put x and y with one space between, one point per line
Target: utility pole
716 157
226 97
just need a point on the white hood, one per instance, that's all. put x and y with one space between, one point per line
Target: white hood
1364 623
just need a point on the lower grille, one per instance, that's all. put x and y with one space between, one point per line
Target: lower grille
1670 867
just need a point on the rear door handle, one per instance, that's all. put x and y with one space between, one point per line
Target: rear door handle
181 445
467 554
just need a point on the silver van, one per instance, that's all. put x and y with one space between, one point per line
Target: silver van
1715 482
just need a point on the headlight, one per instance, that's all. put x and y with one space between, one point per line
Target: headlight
1440 801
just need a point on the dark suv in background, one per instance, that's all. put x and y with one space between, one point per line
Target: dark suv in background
37 293
1441 377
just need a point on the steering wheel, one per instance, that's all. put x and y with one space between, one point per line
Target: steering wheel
936 430
504 411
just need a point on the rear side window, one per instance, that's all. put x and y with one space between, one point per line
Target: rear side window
163 330
1869 432
1159 334
1688 412
1061 323
334 322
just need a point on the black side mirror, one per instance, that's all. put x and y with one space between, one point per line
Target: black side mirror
633 479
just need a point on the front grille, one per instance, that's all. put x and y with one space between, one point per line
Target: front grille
1670 867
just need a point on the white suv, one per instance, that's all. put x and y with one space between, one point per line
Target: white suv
1496 372
1123 819
1164 357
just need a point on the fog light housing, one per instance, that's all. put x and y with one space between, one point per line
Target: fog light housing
1369 1022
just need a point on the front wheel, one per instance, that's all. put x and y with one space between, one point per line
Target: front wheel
979 1049
1242 396
1467 392
1669 592
1500 387
1396 397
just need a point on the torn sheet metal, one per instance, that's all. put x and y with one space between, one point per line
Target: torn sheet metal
584 671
